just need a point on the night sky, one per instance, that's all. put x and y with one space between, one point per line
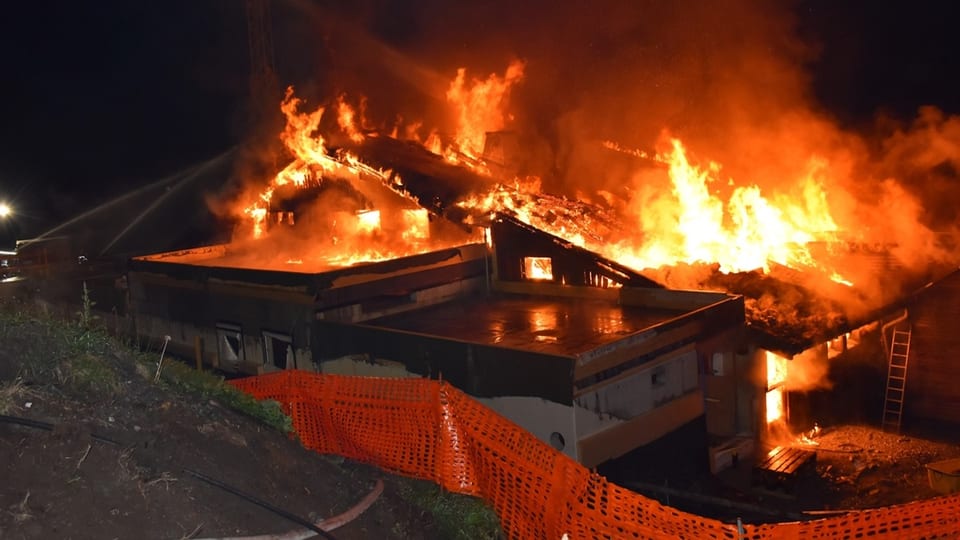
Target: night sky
101 97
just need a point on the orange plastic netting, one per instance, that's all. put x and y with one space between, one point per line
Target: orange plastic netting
430 430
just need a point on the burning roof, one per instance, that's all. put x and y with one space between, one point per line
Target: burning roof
810 258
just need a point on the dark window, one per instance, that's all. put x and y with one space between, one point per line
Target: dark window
278 350
658 377
229 344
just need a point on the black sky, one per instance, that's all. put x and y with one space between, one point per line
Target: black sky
101 97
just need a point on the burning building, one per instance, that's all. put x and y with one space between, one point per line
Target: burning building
598 319
583 352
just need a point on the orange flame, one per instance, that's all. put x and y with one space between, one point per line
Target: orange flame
346 119
748 232
479 107
774 401
538 268
776 377
691 222
340 235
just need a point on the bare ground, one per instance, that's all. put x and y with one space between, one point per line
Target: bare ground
856 467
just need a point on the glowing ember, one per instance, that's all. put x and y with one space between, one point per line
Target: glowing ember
840 279
538 268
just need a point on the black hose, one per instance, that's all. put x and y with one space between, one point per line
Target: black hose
49 427
279 511
27 422
198 475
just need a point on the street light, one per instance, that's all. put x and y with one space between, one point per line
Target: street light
5 210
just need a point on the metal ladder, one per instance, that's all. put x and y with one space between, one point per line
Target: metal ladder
896 379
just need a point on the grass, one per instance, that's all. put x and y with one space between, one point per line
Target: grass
75 359
458 517
80 358
209 386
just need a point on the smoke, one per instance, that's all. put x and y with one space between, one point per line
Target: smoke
808 371
925 157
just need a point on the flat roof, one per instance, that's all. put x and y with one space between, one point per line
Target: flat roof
225 257
551 325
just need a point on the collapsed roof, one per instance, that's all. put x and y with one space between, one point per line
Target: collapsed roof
788 310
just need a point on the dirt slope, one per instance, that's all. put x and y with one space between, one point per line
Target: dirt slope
68 483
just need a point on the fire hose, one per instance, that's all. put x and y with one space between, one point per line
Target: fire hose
198 475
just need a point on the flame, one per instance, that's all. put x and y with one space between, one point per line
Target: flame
341 236
702 218
479 107
307 146
747 232
368 221
538 268
776 369
416 224
776 377
774 405
346 120
690 223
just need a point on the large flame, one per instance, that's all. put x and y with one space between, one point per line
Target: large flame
746 232
689 222
479 106
351 229
699 217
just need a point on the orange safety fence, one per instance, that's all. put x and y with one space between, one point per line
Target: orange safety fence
430 430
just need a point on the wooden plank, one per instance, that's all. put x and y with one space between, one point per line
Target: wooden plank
784 462
792 462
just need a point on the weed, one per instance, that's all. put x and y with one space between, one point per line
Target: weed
209 386
458 517
11 394
86 308
89 374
